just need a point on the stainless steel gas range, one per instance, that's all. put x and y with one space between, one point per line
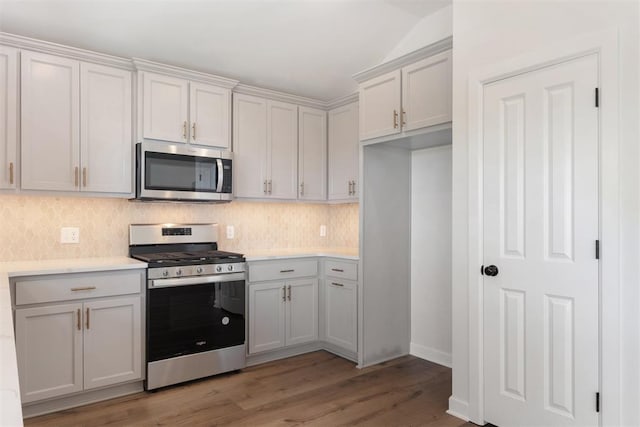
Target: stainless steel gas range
195 302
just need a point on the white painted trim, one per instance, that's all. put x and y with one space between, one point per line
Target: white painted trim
343 100
279 96
27 43
605 44
430 354
170 70
409 58
458 408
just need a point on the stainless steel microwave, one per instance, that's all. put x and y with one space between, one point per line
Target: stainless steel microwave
182 172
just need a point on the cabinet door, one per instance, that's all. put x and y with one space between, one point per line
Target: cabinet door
106 147
380 106
50 122
49 350
343 152
249 146
312 154
112 341
282 137
165 108
8 116
341 313
426 92
209 112
302 311
266 316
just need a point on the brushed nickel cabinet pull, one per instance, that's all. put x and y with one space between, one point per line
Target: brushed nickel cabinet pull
404 117
10 172
349 187
270 186
339 270
302 189
353 188
88 318
84 177
78 320
264 186
395 119
193 128
75 175
284 294
287 271
337 284
184 130
85 288
289 293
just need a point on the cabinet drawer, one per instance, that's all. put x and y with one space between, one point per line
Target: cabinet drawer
65 287
341 269
279 270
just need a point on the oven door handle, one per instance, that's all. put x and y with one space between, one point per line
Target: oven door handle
197 280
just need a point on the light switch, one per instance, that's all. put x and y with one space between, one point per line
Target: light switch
323 231
230 232
69 235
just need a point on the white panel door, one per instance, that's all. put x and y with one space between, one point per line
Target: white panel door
426 92
302 311
49 351
282 137
380 106
50 122
8 117
341 313
112 341
249 146
105 129
312 154
165 108
210 114
540 229
266 316
343 153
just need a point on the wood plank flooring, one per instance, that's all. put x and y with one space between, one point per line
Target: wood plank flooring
317 389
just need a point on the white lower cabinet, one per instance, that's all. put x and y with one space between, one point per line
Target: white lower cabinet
282 314
341 313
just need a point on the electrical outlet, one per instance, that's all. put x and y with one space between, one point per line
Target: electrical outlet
323 231
69 235
230 232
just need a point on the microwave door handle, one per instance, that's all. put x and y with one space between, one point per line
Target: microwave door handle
220 176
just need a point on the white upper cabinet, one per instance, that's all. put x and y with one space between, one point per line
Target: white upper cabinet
312 154
380 106
76 126
282 143
8 117
165 108
343 153
426 92
179 110
50 122
106 147
414 97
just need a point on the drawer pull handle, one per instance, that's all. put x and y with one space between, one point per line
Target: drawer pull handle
337 284
88 318
86 288
78 320
287 271
339 270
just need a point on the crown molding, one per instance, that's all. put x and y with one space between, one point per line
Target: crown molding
156 67
27 43
280 96
409 58
344 100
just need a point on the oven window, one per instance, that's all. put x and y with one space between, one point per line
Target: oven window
176 172
191 319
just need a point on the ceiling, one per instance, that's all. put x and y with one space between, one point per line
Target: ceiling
306 47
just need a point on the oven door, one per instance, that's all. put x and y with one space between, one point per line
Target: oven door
194 314
174 172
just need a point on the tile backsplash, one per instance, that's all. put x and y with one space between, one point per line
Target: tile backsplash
31 225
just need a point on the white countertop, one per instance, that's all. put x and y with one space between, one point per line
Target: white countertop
272 254
10 405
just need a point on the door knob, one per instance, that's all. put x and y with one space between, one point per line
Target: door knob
491 270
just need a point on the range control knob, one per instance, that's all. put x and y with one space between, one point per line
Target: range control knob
218 269
179 272
230 267
199 270
165 273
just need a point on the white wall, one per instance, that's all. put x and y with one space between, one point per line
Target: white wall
430 29
431 254
487 32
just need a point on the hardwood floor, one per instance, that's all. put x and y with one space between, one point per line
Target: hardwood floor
317 389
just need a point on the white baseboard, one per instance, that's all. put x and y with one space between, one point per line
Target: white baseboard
430 354
458 408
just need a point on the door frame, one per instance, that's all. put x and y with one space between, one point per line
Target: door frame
605 45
